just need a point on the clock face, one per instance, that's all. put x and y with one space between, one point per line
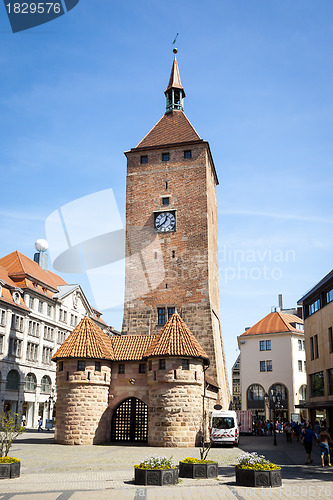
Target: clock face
165 221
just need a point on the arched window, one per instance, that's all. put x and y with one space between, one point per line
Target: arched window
302 393
30 382
46 385
280 390
12 383
255 397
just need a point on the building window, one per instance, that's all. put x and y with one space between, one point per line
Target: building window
1 343
330 381
330 338
304 364
30 383
150 365
312 308
165 156
314 347
142 368
302 393
121 368
17 323
47 354
15 347
166 201
317 384
31 302
161 315
61 366
329 296
97 366
185 364
262 345
268 345
269 366
171 311
299 345
303 343
2 317
144 159
262 366
81 365
61 337
161 364
12 382
32 351
300 365
45 385
188 154
48 310
40 306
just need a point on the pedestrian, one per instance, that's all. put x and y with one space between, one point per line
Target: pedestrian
324 438
23 421
308 436
316 429
289 432
40 423
297 430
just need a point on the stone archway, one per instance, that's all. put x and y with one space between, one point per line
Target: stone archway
130 421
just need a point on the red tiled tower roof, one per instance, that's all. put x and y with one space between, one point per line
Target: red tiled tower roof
173 128
87 340
131 347
275 322
175 339
174 81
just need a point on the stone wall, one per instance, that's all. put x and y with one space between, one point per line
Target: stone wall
83 416
175 403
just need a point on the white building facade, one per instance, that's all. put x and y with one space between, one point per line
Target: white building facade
272 354
38 310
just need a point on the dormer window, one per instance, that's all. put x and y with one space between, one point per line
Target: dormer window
16 297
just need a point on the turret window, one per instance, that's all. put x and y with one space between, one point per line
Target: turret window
121 368
144 159
165 156
81 365
166 201
185 364
161 364
97 366
142 368
188 154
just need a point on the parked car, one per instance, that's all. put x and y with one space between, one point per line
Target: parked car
224 427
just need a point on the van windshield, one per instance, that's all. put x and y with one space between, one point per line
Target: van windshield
223 423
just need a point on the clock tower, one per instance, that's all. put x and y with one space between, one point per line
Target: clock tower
171 233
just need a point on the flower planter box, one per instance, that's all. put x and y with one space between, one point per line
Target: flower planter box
155 477
258 478
197 471
8 471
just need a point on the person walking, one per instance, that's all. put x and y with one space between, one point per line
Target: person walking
308 436
324 438
40 423
289 432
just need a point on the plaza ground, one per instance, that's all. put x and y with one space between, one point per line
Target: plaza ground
54 472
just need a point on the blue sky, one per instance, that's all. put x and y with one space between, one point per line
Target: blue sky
80 90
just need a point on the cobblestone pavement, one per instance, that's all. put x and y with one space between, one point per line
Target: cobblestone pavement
54 472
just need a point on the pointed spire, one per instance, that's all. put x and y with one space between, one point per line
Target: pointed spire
174 92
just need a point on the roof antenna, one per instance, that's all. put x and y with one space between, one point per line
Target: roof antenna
175 50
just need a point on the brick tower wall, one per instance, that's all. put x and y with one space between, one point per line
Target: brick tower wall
175 404
82 403
176 269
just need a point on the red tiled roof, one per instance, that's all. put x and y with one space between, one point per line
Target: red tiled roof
20 266
174 81
175 339
87 340
172 128
131 347
6 293
275 322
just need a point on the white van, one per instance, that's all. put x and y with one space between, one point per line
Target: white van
224 427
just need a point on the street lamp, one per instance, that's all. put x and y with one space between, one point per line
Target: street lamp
273 403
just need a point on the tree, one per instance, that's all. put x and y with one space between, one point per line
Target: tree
9 430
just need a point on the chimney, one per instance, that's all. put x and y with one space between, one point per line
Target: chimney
280 301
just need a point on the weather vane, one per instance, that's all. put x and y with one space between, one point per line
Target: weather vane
175 50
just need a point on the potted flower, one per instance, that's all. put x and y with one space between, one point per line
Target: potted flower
195 468
9 430
9 467
156 471
254 470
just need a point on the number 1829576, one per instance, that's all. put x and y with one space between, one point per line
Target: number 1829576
34 8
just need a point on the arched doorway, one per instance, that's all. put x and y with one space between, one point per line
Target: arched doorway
130 421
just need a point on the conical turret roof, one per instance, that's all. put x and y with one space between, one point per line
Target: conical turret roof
175 339
87 340
174 81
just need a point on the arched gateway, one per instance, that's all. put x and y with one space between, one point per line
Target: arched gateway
130 421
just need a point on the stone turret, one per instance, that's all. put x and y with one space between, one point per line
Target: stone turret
83 381
175 379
